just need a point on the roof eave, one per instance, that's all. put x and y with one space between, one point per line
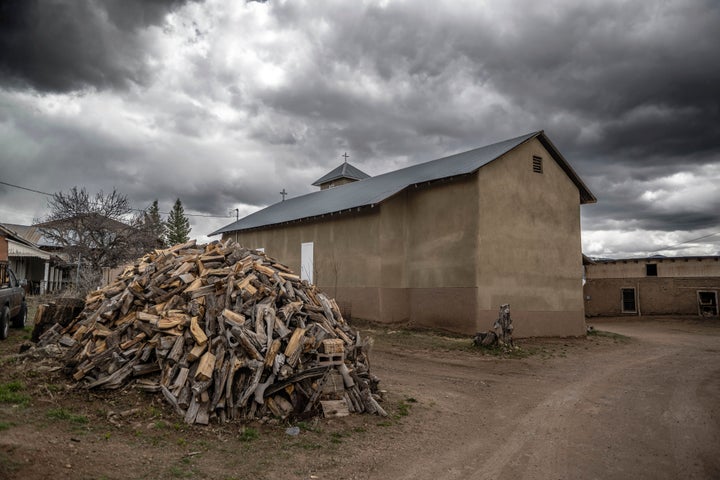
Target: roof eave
586 196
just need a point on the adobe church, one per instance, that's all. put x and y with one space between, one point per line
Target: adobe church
444 243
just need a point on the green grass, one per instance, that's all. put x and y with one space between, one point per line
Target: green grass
62 414
11 392
613 336
248 434
5 425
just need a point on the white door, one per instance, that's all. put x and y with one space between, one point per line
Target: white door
306 262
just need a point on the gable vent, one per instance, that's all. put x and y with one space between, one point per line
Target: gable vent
537 164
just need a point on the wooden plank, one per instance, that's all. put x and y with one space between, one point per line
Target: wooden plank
206 367
334 408
197 332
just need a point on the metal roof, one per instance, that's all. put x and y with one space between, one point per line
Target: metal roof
342 171
373 190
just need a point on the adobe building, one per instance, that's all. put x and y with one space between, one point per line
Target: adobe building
653 286
442 244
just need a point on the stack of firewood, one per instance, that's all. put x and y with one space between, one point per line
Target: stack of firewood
223 333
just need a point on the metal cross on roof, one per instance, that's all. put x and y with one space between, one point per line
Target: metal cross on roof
283 193
346 156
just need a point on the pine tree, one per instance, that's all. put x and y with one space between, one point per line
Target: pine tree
177 225
154 226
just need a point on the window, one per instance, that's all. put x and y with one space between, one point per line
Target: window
537 164
707 303
628 300
651 270
306 261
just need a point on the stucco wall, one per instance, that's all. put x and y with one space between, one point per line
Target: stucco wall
666 267
446 255
529 252
654 295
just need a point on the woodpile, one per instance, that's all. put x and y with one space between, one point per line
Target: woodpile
222 333
62 311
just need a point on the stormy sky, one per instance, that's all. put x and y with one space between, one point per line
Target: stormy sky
225 103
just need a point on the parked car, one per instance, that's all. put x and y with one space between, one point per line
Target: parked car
13 308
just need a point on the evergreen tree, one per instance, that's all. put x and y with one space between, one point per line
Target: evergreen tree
177 225
153 225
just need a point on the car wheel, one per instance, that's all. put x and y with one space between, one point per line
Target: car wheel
20 319
4 323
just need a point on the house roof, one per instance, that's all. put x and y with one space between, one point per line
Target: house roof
19 245
373 190
32 234
345 170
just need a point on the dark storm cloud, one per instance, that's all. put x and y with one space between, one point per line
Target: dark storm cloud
68 45
225 93
642 73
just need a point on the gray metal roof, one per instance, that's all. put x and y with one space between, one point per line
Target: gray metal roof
342 171
373 190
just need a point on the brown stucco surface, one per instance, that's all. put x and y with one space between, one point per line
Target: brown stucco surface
654 295
437 255
674 291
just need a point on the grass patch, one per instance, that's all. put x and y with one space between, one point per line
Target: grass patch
403 409
309 427
613 336
421 339
248 434
11 392
62 414
507 352
5 425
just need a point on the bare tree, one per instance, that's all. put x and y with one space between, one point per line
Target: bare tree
98 231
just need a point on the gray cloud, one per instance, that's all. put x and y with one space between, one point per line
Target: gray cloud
67 45
225 104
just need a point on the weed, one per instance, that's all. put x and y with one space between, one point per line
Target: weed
403 409
179 472
359 430
5 425
613 336
62 414
11 392
107 436
154 412
309 427
385 423
181 442
248 434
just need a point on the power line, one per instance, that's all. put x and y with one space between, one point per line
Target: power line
25 188
686 241
133 209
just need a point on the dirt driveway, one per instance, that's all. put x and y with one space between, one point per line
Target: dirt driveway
641 402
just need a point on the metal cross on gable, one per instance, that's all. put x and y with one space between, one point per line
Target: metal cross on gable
283 193
346 156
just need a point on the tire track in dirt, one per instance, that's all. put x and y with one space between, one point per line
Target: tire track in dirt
629 412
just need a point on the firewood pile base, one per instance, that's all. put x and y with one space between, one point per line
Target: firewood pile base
222 333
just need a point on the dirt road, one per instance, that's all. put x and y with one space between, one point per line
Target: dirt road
648 408
642 405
